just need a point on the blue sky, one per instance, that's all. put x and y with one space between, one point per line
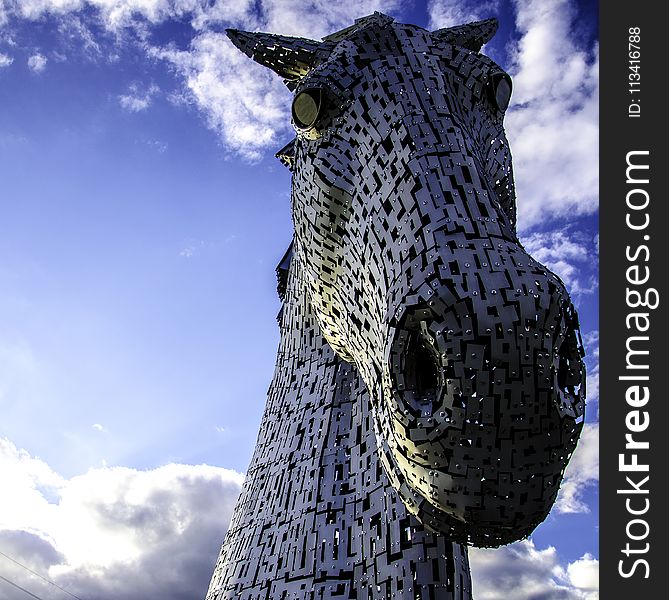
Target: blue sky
142 213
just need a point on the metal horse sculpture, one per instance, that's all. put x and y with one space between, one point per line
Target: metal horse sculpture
429 388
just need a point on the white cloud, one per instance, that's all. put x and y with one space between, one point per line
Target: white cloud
322 17
446 13
246 104
117 14
552 123
568 253
131 535
239 12
137 99
99 427
76 33
34 9
37 62
242 101
523 572
114 532
582 472
5 60
584 573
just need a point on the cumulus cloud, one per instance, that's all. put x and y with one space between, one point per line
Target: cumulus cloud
137 99
523 572
5 60
37 62
569 254
114 532
552 123
128 534
584 573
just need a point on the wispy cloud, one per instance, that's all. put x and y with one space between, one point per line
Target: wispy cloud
245 104
192 248
137 99
323 16
114 13
568 253
37 62
159 146
76 33
12 139
446 13
523 572
114 532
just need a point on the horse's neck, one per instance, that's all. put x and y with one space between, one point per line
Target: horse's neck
317 517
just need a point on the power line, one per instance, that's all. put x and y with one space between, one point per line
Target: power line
16 562
16 585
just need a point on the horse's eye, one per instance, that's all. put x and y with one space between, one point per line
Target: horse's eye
500 86
307 107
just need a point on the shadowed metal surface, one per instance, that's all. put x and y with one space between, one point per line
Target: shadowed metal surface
429 388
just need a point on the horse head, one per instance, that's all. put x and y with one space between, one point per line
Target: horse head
403 204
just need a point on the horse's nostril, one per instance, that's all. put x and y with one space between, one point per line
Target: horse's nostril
427 377
421 367
569 371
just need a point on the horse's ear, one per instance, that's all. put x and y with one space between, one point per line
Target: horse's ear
471 36
290 57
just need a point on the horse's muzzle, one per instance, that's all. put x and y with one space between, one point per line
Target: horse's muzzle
484 393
